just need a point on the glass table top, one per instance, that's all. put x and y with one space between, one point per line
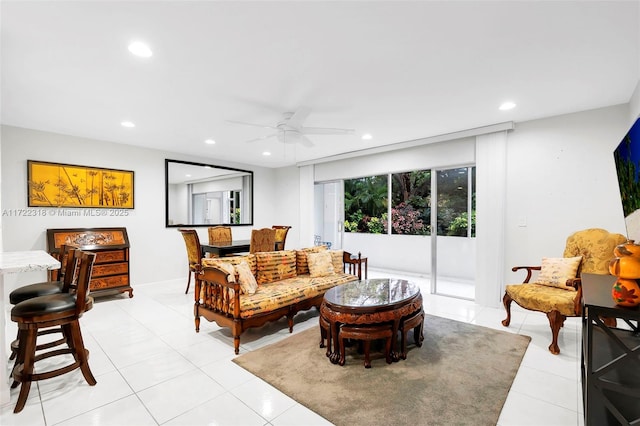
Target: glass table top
371 293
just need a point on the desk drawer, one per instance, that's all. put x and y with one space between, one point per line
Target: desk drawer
110 269
108 282
110 256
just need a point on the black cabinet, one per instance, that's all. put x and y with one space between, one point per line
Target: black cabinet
610 356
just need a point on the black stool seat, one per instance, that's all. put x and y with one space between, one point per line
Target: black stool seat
35 290
43 305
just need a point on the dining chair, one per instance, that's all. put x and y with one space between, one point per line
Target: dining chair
64 310
281 235
262 240
219 234
194 252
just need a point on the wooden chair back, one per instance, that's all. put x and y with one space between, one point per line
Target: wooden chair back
194 251
85 267
69 269
219 234
281 235
262 240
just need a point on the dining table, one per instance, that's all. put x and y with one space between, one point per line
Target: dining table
11 263
226 248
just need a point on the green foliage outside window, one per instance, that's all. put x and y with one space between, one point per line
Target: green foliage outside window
366 203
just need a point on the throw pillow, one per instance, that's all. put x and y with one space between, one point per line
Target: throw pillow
229 269
320 264
301 258
247 281
556 271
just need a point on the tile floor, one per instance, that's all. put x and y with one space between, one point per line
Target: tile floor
153 369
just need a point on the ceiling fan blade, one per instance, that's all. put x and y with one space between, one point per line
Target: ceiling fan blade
261 138
305 141
298 117
243 123
326 131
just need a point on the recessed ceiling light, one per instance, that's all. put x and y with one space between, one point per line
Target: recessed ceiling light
367 136
507 106
140 49
266 153
127 124
210 142
187 175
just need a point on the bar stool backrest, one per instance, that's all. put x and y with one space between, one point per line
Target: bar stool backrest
85 267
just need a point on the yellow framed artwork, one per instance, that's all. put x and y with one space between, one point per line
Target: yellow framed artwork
68 185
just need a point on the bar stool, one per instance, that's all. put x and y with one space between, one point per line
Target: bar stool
63 309
66 274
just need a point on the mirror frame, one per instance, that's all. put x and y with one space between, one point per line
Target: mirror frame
166 194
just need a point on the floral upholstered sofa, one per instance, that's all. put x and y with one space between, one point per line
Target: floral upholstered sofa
240 292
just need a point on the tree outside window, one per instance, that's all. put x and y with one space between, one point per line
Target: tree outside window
453 202
410 208
365 204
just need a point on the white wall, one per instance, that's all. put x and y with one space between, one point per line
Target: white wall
157 253
561 178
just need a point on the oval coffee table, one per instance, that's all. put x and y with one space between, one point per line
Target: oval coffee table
370 307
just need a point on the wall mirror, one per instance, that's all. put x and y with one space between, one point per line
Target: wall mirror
204 195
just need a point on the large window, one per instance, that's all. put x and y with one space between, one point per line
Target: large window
367 208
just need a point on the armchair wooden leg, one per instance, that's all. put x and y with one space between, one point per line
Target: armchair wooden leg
506 301
556 321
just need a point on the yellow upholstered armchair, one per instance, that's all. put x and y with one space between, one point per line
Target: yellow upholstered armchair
557 290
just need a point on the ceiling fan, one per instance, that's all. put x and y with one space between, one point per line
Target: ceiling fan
291 130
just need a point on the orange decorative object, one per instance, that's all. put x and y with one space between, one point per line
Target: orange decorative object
626 266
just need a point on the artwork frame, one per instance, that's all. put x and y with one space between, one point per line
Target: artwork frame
70 185
627 160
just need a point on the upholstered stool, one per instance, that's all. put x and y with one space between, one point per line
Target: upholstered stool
46 288
366 333
56 310
415 322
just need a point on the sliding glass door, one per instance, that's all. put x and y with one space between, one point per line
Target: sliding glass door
329 213
453 242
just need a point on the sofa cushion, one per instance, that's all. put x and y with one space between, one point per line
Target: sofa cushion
271 296
247 281
337 260
234 260
275 265
302 266
556 271
320 264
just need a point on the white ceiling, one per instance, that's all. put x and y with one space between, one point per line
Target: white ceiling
398 70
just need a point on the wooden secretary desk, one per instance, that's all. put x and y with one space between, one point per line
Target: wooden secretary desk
111 246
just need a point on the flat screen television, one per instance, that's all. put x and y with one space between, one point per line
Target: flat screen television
627 158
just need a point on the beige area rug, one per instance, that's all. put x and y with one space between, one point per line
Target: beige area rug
460 376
